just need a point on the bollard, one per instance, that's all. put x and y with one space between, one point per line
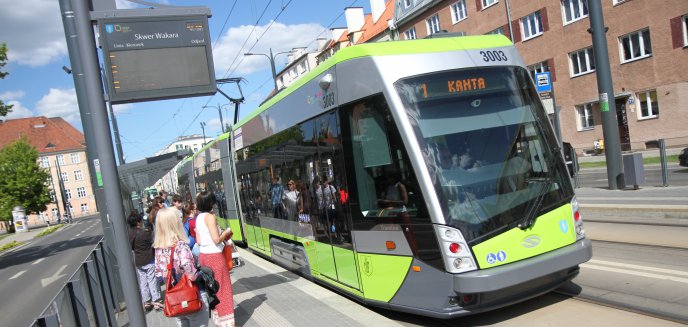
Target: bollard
663 160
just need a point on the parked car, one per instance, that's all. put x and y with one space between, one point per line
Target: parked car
683 158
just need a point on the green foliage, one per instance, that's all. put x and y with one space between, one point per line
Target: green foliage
10 245
4 108
48 230
23 181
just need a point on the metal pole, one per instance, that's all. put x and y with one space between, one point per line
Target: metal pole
274 72
508 23
115 131
663 160
203 128
103 142
63 193
222 123
610 128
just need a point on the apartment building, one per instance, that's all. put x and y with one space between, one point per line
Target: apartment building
62 151
648 53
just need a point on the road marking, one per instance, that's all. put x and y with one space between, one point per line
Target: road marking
631 266
57 275
72 239
18 274
37 261
636 273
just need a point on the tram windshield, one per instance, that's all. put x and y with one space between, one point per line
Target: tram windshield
488 147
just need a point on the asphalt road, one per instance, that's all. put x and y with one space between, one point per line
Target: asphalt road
31 276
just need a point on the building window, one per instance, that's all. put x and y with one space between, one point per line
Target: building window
65 176
410 34
458 11
582 62
499 30
649 108
540 67
487 3
60 159
75 158
635 46
78 176
685 30
68 194
81 192
573 10
84 208
585 120
45 162
531 25
616 2
433 24
407 3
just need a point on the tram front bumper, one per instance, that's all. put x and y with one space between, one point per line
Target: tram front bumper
518 273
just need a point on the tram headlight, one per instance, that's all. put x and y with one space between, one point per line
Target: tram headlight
455 250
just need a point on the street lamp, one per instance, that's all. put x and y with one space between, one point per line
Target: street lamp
272 63
219 111
203 128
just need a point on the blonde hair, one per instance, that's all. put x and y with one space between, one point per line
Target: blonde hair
168 229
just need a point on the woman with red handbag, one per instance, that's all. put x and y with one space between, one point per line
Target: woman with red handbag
172 250
212 243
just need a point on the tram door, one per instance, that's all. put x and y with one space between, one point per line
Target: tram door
252 205
336 259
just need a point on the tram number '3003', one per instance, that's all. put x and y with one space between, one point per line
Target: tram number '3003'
495 55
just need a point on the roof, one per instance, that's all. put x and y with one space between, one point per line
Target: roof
45 134
372 29
375 49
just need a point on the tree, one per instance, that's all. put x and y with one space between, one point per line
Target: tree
23 182
4 108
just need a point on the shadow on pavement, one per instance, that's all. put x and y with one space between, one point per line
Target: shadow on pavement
246 308
32 253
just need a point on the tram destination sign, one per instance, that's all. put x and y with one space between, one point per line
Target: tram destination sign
155 58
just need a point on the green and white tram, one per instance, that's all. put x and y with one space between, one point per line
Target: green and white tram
429 178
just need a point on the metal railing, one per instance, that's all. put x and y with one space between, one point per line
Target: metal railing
89 298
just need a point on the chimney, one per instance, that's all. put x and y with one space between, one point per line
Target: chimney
321 43
337 33
378 7
354 18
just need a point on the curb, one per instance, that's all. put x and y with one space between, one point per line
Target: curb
635 210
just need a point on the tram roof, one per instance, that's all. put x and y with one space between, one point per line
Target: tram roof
374 49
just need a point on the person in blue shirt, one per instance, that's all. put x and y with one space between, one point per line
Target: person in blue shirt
276 192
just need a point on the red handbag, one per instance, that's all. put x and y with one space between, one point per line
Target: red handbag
183 298
227 252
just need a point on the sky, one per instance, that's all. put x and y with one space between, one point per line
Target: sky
38 86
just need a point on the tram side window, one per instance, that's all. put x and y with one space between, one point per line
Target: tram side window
387 190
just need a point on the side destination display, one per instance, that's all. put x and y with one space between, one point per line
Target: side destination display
155 58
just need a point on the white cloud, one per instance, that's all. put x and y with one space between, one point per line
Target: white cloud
122 108
279 37
60 103
18 110
37 36
12 95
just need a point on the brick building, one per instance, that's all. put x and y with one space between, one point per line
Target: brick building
62 151
648 54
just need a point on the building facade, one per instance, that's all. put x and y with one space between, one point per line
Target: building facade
192 142
647 46
62 152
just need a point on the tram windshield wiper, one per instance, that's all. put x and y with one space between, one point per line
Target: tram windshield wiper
534 208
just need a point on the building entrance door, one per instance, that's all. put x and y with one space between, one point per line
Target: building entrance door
622 120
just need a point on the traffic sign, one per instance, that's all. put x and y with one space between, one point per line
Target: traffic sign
543 82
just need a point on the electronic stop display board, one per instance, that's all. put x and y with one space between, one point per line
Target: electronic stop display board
155 58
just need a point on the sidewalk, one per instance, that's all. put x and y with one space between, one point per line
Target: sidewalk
651 204
267 295
20 237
